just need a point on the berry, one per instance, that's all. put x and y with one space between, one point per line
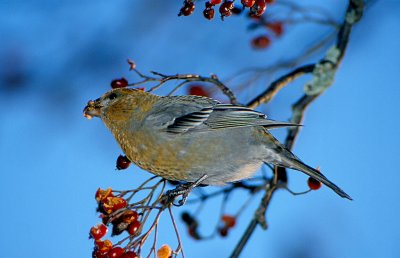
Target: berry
111 204
98 254
116 252
118 227
98 231
129 254
164 252
198 90
225 9
194 233
248 3
102 194
229 221
258 8
133 227
223 231
103 246
313 183
129 216
215 2
208 13
123 162
275 27
119 83
260 42
187 9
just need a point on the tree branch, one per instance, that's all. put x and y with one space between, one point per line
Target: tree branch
329 65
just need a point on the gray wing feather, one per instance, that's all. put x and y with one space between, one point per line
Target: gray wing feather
178 114
230 116
181 114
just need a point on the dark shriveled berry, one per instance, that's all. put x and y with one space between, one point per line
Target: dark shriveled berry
208 13
225 9
187 9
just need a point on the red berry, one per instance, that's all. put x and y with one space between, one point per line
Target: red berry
225 9
194 233
214 2
275 27
129 216
102 194
313 183
98 231
258 8
198 90
111 204
208 13
119 83
98 254
103 246
129 254
261 42
133 227
187 9
116 252
123 162
229 221
248 3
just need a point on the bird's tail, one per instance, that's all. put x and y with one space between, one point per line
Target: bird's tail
293 162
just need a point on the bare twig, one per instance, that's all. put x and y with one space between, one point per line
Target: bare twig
160 79
277 85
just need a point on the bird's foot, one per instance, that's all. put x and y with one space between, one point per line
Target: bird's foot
183 190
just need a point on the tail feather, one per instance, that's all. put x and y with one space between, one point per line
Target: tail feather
295 163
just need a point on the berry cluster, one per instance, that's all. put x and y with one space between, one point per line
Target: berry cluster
226 8
113 211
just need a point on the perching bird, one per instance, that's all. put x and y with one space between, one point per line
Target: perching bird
185 138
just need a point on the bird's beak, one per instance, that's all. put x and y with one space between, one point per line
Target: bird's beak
92 109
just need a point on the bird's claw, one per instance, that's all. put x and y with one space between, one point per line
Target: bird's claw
184 190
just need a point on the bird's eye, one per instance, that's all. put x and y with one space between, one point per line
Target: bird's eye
112 96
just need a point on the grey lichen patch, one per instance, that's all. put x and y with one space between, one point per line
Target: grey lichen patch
352 17
324 73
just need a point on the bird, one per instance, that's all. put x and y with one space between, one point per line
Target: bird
195 139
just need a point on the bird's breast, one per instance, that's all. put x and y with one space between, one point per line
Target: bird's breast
224 155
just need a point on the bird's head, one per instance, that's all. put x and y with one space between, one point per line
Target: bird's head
120 105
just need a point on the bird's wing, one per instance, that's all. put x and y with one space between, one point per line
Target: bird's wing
230 116
178 114
190 113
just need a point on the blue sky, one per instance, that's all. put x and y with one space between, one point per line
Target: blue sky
64 53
